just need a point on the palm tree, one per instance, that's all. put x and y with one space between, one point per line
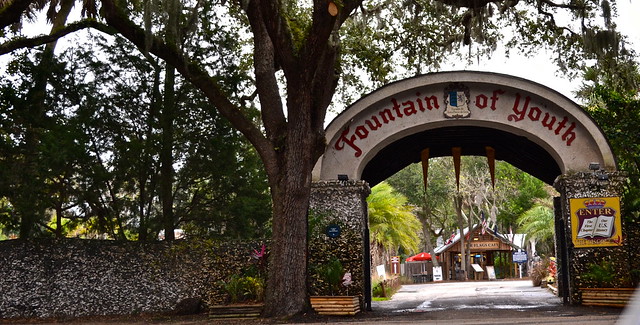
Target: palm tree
392 224
538 225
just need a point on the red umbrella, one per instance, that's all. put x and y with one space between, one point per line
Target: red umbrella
419 257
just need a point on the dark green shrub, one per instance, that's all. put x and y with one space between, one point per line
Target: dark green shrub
244 288
331 273
600 275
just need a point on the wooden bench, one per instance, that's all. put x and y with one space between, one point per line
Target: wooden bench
336 305
613 297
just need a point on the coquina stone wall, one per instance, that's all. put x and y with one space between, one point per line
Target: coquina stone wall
341 203
588 185
74 278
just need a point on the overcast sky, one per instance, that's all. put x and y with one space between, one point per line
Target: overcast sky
542 70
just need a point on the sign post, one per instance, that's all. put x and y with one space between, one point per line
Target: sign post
395 264
520 257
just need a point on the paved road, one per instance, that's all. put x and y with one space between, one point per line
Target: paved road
488 302
503 295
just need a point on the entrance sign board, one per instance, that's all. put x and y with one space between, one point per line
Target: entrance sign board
596 222
420 105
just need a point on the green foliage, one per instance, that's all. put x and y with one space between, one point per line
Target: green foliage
618 114
600 275
331 273
385 289
539 223
391 222
521 191
515 191
245 288
98 155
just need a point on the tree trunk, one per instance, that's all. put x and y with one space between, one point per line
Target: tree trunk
286 287
29 205
167 117
463 257
468 246
426 229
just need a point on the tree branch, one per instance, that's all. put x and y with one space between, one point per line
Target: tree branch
265 70
23 42
561 5
279 32
12 11
118 19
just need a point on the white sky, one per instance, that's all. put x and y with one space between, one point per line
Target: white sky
542 70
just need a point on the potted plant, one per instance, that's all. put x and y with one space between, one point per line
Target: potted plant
245 291
333 275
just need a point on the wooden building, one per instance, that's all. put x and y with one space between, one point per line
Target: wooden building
484 250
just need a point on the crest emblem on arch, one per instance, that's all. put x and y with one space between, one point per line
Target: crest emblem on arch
456 99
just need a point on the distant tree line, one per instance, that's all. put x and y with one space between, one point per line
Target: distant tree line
92 145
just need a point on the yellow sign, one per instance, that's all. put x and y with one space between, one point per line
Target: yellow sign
596 222
485 245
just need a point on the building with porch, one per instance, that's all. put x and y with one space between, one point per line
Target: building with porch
486 245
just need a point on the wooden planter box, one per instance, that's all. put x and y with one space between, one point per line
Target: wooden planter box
336 305
614 297
249 311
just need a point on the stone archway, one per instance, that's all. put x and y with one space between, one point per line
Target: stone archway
527 124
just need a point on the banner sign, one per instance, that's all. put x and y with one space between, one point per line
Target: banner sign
485 245
596 222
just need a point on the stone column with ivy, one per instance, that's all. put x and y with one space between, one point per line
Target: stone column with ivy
610 262
338 231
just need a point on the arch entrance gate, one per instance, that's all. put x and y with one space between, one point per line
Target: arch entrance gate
528 125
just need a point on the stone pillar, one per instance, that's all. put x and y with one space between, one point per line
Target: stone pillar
600 184
342 204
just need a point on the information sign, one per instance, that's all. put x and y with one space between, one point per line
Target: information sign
437 273
519 257
491 272
395 264
333 231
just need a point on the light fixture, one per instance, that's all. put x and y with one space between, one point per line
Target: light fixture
343 177
594 166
